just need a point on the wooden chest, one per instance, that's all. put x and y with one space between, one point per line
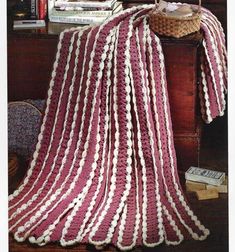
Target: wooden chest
30 59
182 61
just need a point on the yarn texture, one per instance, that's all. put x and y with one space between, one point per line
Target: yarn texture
104 168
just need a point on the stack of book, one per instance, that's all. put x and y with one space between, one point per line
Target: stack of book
82 12
207 184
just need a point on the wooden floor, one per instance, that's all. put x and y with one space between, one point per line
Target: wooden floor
212 213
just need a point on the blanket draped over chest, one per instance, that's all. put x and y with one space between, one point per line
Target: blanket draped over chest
104 169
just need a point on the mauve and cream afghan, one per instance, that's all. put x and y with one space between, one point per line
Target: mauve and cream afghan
104 169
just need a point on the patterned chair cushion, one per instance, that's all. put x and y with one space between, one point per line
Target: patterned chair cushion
24 119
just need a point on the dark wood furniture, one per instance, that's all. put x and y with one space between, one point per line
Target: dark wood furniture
31 55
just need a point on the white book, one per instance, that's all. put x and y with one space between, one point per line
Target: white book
22 24
93 4
205 176
77 20
83 13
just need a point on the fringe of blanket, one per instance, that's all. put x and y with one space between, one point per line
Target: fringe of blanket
104 169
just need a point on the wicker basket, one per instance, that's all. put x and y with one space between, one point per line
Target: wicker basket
174 26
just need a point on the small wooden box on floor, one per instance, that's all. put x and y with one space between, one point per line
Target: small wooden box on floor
206 191
192 186
223 188
207 194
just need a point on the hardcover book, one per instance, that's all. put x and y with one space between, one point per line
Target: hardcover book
86 12
42 13
84 15
34 9
83 4
77 20
28 24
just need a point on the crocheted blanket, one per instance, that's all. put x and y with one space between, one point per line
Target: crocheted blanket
104 169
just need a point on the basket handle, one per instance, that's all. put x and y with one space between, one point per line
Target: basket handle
199 5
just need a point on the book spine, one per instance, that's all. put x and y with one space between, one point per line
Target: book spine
42 9
82 13
85 4
204 179
34 9
76 20
87 13
28 23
